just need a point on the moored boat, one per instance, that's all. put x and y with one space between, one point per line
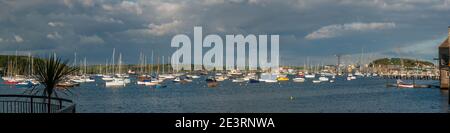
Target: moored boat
323 78
298 79
283 79
211 82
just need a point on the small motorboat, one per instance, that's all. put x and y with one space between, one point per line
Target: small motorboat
66 84
219 78
177 79
11 82
310 75
107 78
195 76
116 82
401 84
298 79
316 81
238 80
349 78
323 78
270 81
211 82
25 84
151 83
283 79
188 79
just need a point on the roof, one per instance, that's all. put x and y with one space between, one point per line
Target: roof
445 44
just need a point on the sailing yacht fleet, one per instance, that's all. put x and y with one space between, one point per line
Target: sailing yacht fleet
148 74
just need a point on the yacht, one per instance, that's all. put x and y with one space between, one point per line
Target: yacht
323 78
298 79
116 82
310 75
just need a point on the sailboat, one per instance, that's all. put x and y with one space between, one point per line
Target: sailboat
120 80
323 78
12 77
143 77
84 78
107 76
29 81
268 78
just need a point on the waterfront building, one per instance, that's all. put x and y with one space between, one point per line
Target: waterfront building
444 64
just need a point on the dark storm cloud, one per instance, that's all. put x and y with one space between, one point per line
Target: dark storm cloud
315 28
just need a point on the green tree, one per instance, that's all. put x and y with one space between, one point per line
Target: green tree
50 72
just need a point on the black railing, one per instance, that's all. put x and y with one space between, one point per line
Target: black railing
34 104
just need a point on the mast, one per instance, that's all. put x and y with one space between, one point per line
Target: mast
15 64
112 60
151 68
158 67
120 63
106 67
32 65
85 67
75 59
29 64
163 64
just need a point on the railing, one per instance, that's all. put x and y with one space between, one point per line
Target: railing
34 104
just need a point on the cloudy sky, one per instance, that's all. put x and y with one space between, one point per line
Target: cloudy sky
318 29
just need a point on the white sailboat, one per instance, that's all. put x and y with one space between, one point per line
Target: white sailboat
118 81
323 78
268 78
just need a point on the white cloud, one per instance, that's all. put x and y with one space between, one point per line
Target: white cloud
131 7
394 5
91 40
163 29
107 7
56 24
107 20
168 8
1 40
68 3
87 3
18 38
54 35
212 2
335 30
124 6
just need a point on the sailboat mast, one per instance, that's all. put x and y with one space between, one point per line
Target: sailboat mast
85 66
32 65
112 60
120 63
163 64
151 68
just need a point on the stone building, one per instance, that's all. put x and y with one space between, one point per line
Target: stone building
444 63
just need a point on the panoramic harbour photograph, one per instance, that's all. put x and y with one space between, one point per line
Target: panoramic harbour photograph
219 56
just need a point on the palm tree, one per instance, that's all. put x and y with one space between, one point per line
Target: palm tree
51 72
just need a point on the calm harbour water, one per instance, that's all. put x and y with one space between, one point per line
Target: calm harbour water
360 96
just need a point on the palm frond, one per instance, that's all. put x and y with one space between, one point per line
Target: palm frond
52 71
